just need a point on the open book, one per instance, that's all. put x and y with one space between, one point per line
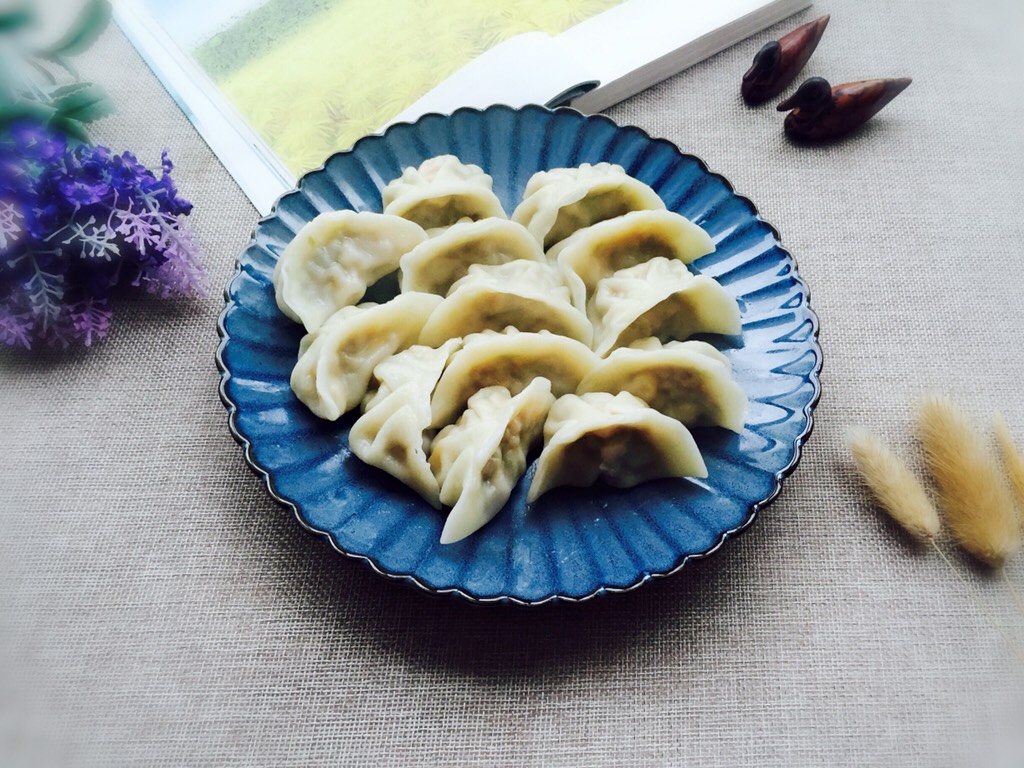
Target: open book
275 86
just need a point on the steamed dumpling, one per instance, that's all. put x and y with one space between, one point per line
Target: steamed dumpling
392 434
512 360
334 258
598 251
435 265
479 459
690 381
336 362
527 295
441 192
614 438
659 298
419 364
561 201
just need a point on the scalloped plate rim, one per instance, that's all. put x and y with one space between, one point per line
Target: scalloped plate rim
408 578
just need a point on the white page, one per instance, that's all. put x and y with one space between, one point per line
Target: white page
626 48
530 68
262 177
633 46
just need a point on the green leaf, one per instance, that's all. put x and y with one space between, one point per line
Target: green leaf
13 110
73 129
85 31
17 110
66 90
13 19
84 104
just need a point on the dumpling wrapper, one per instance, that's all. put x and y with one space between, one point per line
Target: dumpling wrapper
334 258
690 381
336 362
659 298
436 264
440 192
603 249
392 434
510 359
479 459
527 295
418 364
614 438
562 201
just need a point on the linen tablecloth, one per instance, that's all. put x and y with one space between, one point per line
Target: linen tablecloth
157 608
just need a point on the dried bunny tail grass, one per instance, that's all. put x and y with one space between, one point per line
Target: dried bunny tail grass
897 488
903 497
975 499
1012 458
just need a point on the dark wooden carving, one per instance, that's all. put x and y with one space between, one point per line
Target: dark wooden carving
778 63
823 112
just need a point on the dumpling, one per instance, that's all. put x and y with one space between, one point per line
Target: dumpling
336 361
528 295
392 434
659 298
418 364
512 360
435 265
598 251
334 258
479 459
561 201
440 192
615 438
688 380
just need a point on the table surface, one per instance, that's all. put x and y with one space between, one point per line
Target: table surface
158 608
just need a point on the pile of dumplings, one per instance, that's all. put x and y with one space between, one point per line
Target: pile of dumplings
565 325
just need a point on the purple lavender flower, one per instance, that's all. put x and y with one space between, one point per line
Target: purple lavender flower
75 222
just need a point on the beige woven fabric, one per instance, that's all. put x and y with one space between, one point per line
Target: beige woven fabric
156 608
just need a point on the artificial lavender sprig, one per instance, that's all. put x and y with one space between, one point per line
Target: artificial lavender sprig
75 223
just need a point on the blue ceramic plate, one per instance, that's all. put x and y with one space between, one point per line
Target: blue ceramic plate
573 543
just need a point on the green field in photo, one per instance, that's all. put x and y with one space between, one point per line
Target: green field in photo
335 71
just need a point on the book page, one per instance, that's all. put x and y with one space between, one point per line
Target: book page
277 86
312 76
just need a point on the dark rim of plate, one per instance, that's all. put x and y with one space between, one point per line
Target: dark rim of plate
261 472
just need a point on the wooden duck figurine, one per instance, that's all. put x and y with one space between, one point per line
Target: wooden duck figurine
823 112
778 63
